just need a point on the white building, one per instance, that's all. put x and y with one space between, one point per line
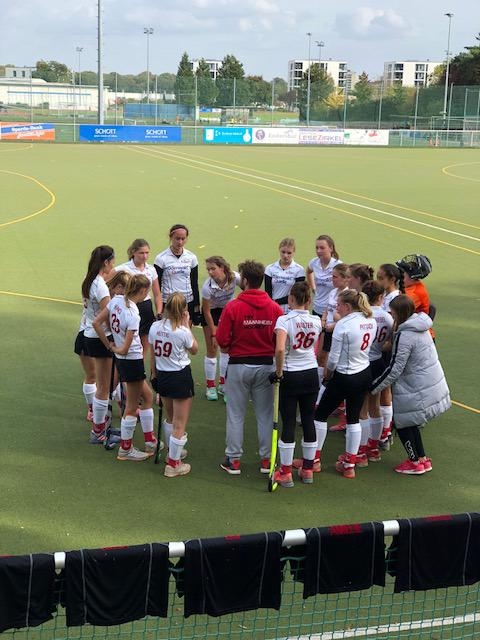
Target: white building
213 64
36 93
337 69
408 73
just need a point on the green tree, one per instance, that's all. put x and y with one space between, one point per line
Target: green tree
231 85
363 89
280 88
185 82
260 90
52 71
321 86
206 89
166 82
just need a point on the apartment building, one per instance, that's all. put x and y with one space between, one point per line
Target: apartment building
213 64
338 69
408 73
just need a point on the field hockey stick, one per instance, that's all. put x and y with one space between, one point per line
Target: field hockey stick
273 454
108 418
159 431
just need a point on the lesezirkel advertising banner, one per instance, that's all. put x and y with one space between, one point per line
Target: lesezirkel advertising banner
275 135
314 135
367 137
227 135
128 133
22 131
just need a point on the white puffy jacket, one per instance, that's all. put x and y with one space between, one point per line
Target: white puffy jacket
420 391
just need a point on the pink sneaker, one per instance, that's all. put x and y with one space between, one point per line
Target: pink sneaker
408 467
265 465
427 463
305 475
317 465
347 472
283 479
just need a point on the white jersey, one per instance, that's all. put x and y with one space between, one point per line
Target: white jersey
388 298
217 295
176 272
170 345
384 332
352 339
332 305
323 282
123 319
98 291
284 279
83 320
303 331
148 271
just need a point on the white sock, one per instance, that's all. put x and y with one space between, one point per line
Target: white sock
176 446
376 426
321 431
365 426
308 450
127 427
223 364
89 392
386 411
210 367
167 432
321 391
99 410
286 452
320 375
117 394
354 434
146 420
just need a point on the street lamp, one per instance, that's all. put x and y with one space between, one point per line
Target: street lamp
319 44
148 32
309 81
449 16
79 51
345 93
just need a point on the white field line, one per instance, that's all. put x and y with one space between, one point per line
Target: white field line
362 632
287 185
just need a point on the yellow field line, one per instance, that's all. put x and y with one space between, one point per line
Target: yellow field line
35 213
454 175
21 148
336 189
302 198
28 295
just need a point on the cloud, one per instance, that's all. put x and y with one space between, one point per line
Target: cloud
369 23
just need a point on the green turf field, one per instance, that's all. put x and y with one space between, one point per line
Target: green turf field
59 201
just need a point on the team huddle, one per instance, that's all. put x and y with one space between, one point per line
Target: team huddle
332 339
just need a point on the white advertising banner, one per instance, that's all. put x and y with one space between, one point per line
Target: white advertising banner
278 135
367 137
312 135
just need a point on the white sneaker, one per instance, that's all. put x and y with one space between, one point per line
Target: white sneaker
151 447
181 469
211 393
132 454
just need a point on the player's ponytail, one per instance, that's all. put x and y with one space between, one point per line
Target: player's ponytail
174 309
357 300
135 285
99 256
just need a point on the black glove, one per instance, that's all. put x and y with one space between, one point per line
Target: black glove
154 383
274 378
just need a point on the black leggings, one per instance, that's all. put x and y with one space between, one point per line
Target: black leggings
411 438
352 388
298 388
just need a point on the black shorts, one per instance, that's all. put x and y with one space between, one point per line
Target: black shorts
299 383
95 348
175 384
79 346
377 367
216 313
130 370
145 310
327 341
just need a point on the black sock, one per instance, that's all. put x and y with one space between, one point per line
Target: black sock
408 439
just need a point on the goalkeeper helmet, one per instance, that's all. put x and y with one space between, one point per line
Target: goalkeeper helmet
415 265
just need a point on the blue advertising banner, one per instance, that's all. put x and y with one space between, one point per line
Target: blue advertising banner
129 133
227 135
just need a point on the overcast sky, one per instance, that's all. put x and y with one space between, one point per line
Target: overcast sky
262 34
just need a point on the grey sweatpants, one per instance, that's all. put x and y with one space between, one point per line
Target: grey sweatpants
245 381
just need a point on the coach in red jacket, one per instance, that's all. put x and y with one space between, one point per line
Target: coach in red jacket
246 331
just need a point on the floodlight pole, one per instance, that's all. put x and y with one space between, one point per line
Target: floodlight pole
148 31
309 80
345 93
79 51
447 70
100 62
319 44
